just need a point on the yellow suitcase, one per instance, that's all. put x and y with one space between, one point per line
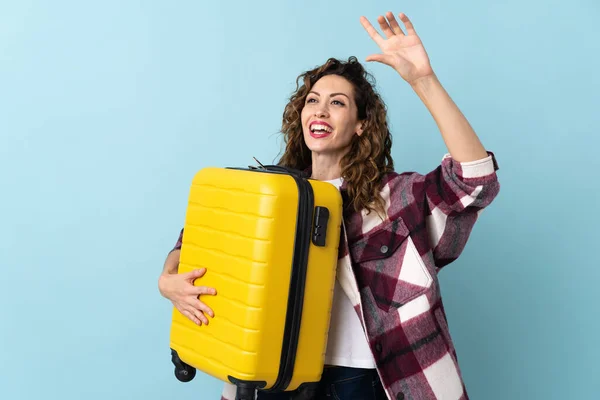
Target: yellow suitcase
269 240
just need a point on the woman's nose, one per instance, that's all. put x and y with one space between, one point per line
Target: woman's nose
321 113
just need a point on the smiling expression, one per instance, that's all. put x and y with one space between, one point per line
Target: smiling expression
330 117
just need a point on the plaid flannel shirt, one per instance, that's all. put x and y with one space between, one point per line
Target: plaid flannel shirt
388 268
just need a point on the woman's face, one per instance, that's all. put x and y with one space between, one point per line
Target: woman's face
330 116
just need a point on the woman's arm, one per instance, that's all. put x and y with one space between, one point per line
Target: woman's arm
455 193
172 262
460 138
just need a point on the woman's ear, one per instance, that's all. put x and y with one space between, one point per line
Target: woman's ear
360 127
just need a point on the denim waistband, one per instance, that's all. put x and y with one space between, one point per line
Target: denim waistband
335 373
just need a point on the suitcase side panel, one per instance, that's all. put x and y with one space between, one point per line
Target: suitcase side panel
318 296
238 226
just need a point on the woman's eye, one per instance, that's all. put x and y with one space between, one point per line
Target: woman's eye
336 102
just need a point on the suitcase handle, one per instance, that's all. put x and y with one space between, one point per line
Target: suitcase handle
278 168
275 168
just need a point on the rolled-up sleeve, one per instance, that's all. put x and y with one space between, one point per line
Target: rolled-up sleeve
456 193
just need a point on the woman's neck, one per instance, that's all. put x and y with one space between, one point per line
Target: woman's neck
325 167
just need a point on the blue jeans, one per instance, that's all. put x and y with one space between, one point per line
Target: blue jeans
337 383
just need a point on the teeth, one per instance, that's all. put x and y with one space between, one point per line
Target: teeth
317 127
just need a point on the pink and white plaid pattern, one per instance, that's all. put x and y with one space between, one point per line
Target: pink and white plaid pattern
388 267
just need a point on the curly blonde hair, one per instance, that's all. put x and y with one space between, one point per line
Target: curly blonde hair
369 157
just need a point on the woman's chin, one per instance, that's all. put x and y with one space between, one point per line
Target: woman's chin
318 147
318 144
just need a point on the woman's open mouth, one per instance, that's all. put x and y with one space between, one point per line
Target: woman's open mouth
320 129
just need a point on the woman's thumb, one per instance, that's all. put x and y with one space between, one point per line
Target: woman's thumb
382 58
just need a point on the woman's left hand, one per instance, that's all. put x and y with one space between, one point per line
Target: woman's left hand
402 51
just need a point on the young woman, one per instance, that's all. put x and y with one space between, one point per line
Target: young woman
389 337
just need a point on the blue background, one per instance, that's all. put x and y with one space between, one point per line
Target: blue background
108 109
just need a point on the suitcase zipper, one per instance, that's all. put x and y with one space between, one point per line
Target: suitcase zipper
297 284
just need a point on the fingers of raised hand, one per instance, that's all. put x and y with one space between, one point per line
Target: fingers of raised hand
371 31
393 28
410 29
389 26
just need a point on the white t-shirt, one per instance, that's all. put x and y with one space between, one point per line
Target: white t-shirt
347 344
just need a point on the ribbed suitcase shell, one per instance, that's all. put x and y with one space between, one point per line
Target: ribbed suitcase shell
240 225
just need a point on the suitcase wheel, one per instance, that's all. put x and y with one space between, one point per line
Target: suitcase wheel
185 374
183 371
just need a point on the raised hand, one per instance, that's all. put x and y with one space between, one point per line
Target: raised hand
402 51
